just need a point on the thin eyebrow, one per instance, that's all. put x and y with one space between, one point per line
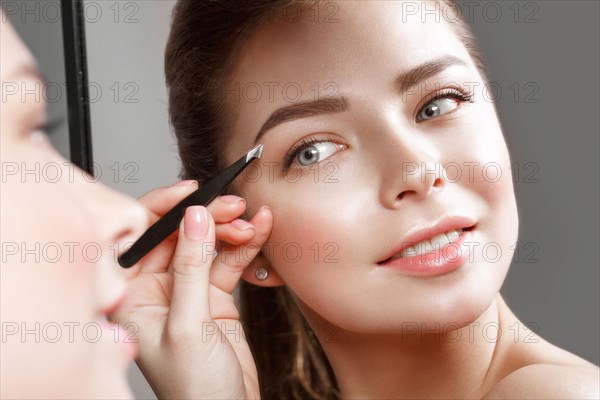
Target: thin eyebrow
334 105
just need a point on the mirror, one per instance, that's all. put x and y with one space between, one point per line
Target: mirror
133 149
90 54
54 32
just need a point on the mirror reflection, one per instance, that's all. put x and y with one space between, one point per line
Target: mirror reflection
39 24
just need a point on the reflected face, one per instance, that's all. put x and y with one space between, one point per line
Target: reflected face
404 148
58 273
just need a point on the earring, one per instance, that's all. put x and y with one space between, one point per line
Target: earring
261 273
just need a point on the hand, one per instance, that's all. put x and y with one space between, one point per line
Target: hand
191 342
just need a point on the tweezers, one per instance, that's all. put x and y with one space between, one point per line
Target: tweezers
169 223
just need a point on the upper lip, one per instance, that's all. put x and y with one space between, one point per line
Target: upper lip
420 233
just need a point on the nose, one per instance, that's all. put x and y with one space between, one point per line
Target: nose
412 168
117 221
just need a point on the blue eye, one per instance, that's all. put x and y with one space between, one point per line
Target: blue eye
310 152
443 103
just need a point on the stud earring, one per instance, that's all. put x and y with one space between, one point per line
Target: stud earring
261 273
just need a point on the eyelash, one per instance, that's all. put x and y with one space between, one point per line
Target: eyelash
459 94
48 129
463 96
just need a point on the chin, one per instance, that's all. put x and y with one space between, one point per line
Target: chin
457 308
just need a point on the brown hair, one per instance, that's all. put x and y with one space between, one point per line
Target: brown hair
205 40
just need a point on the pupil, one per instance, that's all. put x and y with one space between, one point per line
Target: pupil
430 111
309 154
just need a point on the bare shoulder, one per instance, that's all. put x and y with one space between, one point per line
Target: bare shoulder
549 381
537 369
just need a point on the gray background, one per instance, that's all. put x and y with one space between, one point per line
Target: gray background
558 55
544 64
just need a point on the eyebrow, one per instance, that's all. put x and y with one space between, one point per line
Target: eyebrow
411 78
338 104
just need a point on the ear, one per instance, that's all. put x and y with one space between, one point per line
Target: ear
260 261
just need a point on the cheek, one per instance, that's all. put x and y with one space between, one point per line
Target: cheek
310 217
48 295
317 240
48 281
53 244
490 175
314 224
51 275
487 177
481 161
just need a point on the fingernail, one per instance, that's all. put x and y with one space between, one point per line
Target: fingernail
195 223
184 183
242 225
229 198
265 208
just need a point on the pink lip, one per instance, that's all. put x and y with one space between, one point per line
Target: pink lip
125 339
419 234
442 261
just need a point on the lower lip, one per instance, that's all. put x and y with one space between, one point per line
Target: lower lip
445 260
120 335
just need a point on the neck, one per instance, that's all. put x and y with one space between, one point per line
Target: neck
426 364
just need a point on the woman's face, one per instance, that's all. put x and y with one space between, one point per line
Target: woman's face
393 162
58 272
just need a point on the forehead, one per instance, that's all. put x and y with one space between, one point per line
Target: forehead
355 48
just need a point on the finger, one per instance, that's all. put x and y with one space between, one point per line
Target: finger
232 260
191 264
158 259
224 209
236 232
160 201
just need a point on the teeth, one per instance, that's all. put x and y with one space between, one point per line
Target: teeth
409 251
440 240
453 235
434 244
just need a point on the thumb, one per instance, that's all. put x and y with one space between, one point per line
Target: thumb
193 258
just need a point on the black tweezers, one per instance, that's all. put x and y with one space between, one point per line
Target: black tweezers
169 223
